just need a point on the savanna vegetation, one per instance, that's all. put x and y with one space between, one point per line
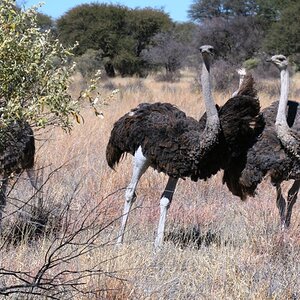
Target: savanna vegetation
131 41
59 242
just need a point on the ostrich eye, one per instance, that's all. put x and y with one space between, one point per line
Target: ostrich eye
212 51
281 58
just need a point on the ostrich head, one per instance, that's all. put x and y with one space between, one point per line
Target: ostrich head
280 61
242 72
207 52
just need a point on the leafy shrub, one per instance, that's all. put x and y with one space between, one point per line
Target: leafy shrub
251 63
34 71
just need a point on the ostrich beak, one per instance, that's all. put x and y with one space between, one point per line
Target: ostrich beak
268 60
206 59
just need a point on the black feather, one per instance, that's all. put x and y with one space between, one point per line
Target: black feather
17 148
266 155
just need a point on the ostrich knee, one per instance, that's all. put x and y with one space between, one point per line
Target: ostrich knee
164 203
130 195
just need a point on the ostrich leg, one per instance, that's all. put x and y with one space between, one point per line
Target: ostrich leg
291 200
140 165
37 186
165 203
32 178
3 188
280 202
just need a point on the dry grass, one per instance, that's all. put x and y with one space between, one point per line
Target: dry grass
247 257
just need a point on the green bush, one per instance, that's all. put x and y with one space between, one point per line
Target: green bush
34 71
251 63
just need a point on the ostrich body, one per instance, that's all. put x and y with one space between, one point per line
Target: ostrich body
275 151
16 154
163 137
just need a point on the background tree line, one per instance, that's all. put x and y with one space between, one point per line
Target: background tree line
136 41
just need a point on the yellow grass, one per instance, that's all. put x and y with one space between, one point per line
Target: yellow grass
249 258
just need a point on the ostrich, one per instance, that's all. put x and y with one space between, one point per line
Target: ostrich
16 154
163 137
275 151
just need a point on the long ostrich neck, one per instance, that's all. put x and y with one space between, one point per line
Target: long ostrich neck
235 93
211 111
283 131
241 81
284 90
212 127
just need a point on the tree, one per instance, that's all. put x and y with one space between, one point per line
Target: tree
94 26
206 9
248 27
144 24
118 32
284 34
266 10
167 51
235 40
45 22
185 31
34 71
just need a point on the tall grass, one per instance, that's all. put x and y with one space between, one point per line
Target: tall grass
240 252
